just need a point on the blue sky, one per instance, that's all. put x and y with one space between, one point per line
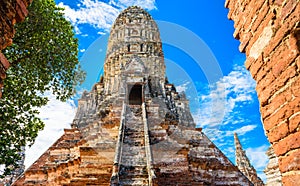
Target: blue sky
202 59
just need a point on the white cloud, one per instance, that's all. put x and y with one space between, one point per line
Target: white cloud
183 87
82 50
147 4
243 130
101 33
257 156
96 13
100 15
240 131
220 114
57 115
217 106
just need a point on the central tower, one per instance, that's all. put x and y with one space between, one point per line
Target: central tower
133 127
134 64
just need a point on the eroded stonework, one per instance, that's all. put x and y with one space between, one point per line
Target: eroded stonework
272 171
133 128
243 163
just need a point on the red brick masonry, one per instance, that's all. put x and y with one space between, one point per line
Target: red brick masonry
269 32
11 11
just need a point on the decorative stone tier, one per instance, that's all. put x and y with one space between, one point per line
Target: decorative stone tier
272 170
80 157
243 163
134 37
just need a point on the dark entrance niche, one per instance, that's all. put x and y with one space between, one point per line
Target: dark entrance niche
135 94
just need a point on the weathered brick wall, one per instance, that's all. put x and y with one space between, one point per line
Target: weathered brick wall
11 11
269 32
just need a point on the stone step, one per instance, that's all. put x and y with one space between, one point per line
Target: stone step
134 136
134 151
134 181
129 157
135 126
133 174
130 152
134 142
129 162
140 153
137 160
141 169
134 129
133 169
131 119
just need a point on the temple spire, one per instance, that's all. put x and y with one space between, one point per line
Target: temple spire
243 163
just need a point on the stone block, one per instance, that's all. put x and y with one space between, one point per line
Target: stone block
253 7
256 66
249 62
283 30
286 144
290 162
260 39
261 73
278 2
295 87
297 61
244 41
265 82
275 103
278 85
278 132
264 14
291 179
4 62
288 8
21 10
294 122
282 114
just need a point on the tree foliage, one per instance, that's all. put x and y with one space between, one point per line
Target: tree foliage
44 57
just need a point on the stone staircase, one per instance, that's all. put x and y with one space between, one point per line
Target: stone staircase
133 160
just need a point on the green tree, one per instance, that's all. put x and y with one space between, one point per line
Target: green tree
44 57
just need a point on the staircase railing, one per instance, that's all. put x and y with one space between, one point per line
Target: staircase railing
117 161
150 170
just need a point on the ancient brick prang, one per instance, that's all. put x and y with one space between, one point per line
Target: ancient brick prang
133 128
11 11
269 32
272 170
243 163
134 37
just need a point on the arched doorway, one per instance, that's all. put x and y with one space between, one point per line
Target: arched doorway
135 94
